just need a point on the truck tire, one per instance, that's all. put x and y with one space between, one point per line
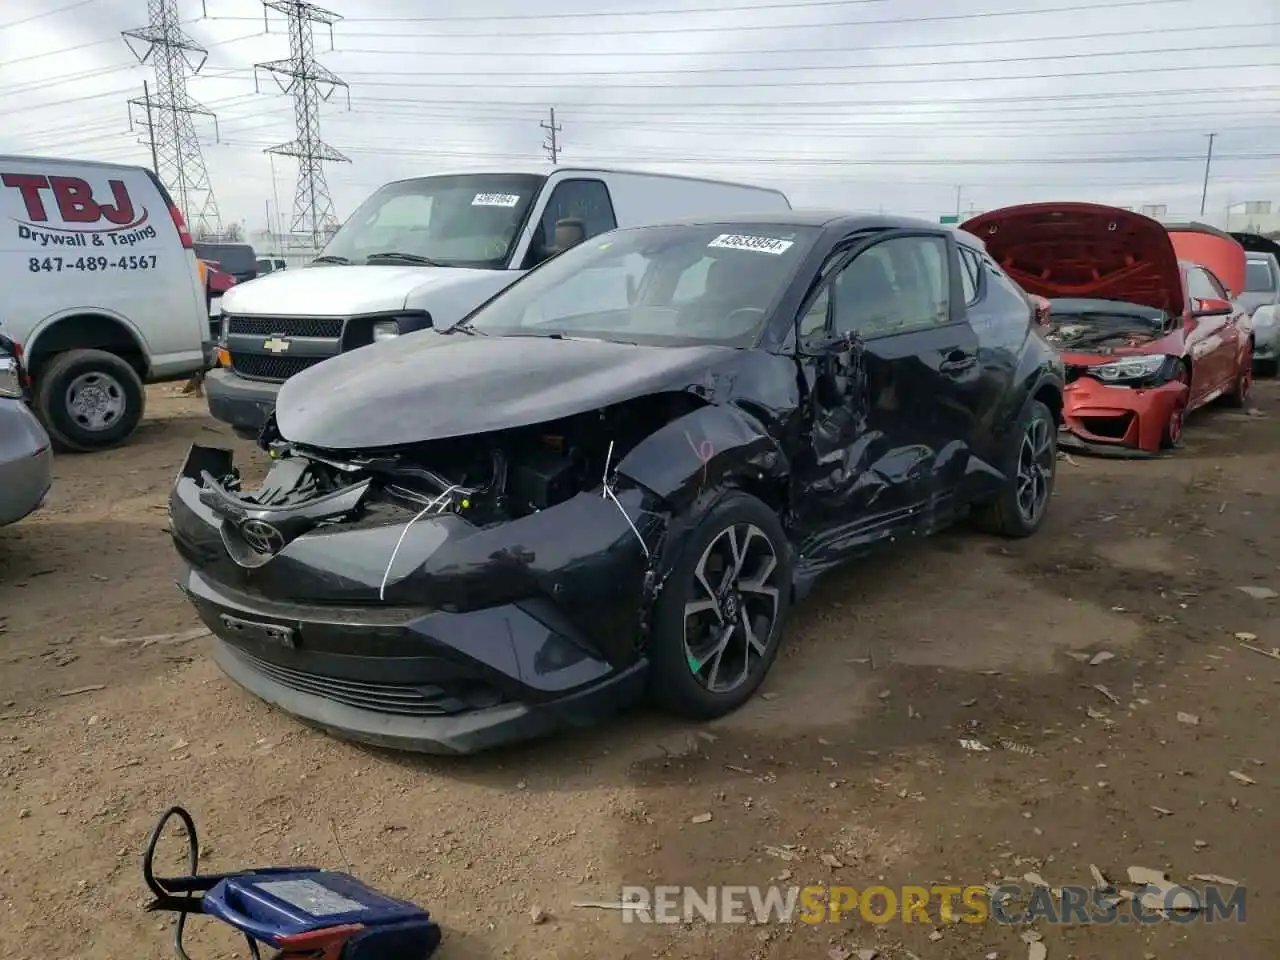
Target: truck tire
89 400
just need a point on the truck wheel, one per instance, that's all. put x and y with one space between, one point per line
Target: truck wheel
89 400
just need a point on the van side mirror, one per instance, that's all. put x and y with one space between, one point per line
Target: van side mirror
568 233
1210 307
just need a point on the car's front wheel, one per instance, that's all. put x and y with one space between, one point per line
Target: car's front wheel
717 625
1030 467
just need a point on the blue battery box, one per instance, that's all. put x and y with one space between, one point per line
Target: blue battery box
298 911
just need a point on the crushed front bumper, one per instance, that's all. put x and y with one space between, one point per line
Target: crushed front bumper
478 637
1116 420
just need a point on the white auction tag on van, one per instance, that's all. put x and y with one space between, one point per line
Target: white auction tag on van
495 200
734 241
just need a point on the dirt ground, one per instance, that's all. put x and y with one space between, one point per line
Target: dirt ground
852 756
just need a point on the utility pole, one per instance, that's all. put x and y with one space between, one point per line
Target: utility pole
1208 161
175 147
309 83
552 143
959 190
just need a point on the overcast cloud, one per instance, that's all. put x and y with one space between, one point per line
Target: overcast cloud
798 95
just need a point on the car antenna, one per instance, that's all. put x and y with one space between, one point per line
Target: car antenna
606 493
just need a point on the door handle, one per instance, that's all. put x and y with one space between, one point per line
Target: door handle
957 360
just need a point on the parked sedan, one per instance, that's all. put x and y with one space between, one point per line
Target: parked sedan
617 476
26 463
1146 337
1261 298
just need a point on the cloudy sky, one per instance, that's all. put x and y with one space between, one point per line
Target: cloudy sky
900 105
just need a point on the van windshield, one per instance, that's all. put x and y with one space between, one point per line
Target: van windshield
465 220
661 286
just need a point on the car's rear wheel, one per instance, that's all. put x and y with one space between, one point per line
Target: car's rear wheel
718 623
89 400
1239 394
1029 468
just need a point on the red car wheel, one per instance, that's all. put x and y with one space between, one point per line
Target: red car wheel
1172 438
1239 396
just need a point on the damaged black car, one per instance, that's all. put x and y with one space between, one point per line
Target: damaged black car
613 480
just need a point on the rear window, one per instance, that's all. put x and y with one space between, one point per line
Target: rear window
230 257
1259 277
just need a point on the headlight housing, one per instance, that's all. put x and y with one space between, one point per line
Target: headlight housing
11 381
385 330
1132 369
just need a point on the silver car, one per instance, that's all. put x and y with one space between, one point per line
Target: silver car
26 463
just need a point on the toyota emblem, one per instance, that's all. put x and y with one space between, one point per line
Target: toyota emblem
262 536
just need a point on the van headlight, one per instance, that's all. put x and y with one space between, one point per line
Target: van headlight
1130 369
10 379
385 330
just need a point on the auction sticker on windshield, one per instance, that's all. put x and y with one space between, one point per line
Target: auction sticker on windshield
734 241
495 200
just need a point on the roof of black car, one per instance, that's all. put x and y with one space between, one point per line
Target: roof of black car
811 218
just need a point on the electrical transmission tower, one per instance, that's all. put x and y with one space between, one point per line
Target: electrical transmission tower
167 114
309 83
552 143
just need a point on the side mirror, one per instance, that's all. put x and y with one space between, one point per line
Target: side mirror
1210 307
569 233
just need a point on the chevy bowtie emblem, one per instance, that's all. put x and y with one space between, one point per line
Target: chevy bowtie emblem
276 345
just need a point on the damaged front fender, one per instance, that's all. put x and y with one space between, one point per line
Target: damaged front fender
710 447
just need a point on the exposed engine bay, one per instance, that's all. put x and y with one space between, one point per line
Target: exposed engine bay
1103 333
487 478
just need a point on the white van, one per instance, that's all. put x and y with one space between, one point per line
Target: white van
101 288
426 252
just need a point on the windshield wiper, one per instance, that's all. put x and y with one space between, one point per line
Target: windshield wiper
330 258
464 327
395 256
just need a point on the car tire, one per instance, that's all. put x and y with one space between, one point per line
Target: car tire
1032 458
685 676
1171 436
1264 368
1238 396
112 400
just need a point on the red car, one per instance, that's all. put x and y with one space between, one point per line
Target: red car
1146 335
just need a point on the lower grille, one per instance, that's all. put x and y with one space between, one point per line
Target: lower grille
1074 372
400 699
258 366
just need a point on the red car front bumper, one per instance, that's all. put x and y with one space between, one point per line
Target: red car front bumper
1122 420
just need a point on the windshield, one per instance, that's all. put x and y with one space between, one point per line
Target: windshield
1258 277
468 220
665 285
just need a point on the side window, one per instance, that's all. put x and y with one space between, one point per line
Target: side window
970 275
894 287
1202 286
585 200
1000 278
814 321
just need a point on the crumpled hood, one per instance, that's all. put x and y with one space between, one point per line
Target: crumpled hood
340 291
431 386
1084 250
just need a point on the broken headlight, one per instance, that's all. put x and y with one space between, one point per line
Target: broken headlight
1133 369
11 383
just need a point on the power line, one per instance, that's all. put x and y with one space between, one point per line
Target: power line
312 204
811 68
723 28
826 82
452 49
46 13
168 116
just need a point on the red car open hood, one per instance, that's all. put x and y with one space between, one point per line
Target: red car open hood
1084 250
